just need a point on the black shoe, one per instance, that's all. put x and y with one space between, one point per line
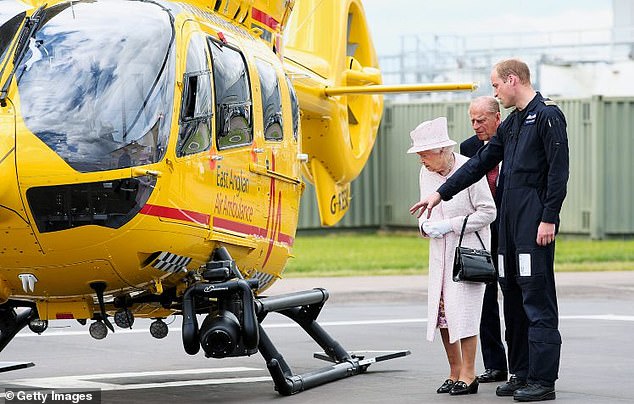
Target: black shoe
446 386
459 388
534 392
493 375
507 389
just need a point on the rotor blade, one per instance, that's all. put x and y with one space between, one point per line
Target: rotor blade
402 88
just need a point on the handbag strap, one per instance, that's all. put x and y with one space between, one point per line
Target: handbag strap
464 225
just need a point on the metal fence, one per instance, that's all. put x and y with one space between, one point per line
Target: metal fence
600 189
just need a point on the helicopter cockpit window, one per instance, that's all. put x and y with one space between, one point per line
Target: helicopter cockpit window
294 108
234 126
195 123
7 31
271 101
96 92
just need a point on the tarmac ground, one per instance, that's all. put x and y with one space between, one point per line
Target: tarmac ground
373 313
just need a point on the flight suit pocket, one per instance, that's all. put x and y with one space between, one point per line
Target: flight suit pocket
531 265
501 267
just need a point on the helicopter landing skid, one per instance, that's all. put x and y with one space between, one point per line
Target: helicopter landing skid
303 308
9 366
11 322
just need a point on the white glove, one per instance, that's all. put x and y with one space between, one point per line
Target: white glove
437 229
420 227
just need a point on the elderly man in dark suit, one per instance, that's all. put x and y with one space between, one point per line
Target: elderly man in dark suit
485 119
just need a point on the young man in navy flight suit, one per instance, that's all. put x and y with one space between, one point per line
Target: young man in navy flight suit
533 143
484 113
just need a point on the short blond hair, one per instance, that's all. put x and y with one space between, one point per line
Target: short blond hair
515 67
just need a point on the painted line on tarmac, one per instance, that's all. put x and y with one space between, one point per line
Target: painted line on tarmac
29 334
352 322
595 317
86 382
100 381
603 317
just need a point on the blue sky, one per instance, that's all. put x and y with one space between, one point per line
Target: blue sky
391 19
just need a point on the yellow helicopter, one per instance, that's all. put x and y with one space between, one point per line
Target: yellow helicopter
152 154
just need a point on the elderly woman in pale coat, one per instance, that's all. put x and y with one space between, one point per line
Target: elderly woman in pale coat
453 307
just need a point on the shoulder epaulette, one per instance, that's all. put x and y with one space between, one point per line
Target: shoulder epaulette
547 101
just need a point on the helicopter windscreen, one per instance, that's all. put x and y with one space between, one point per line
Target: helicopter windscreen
8 29
97 83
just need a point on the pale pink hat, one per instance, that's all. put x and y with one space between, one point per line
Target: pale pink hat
430 135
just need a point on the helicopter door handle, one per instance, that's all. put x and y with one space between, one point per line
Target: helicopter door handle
216 157
137 171
258 150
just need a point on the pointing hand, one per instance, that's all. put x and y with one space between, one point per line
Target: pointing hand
425 204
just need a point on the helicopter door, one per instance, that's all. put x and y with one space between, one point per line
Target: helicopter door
238 214
280 166
191 189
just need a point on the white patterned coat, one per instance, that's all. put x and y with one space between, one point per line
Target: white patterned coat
463 300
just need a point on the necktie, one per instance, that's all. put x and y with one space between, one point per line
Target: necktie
491 179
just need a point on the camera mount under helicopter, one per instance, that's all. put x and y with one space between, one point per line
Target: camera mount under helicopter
233 326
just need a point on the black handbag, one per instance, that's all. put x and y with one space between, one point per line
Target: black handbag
472 265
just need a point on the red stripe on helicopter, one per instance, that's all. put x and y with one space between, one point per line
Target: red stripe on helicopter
173 213
277 222
248 229
262 17
238 227
272 222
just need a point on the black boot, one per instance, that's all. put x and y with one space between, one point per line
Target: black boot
493 375
507 389
535 392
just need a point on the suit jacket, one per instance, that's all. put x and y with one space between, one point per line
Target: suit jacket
469 148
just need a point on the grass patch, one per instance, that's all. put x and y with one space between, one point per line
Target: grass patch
407 254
